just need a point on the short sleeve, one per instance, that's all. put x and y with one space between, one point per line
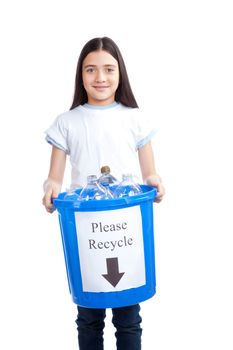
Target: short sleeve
144 129
57 133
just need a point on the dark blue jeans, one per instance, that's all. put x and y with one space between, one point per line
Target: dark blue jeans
126 320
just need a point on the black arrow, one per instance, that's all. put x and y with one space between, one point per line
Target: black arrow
113 275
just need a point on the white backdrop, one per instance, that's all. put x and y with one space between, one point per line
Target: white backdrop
179 59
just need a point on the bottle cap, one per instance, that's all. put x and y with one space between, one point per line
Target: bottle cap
105 169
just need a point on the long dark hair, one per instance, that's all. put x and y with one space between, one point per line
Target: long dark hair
124 92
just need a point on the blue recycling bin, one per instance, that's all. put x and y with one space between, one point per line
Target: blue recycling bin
109 249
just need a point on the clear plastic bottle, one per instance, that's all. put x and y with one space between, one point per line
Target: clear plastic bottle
127 187
106 177
93 190
71 195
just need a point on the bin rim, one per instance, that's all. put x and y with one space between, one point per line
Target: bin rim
149 194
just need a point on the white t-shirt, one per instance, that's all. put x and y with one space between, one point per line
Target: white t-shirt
95 136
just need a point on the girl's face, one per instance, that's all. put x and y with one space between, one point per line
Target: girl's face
100 73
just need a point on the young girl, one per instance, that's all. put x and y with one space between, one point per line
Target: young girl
103 126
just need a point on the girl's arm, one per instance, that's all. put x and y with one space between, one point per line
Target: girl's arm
149 175
52 186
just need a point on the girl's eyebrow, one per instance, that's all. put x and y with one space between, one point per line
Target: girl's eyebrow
94 65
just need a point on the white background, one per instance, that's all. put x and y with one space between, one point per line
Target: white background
179 59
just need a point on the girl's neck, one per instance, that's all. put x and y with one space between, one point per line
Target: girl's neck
108 106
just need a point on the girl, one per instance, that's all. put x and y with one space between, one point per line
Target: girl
103 126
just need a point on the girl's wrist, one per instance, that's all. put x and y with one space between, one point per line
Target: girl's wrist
46 184
153 178
49 184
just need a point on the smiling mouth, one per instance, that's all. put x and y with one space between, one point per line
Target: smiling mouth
100 87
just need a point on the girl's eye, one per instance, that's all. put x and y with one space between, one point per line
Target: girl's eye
110 70
90 70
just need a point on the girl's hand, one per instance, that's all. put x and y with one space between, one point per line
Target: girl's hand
155 181
51 190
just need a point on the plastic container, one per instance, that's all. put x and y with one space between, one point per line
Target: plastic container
127 187
93 190
71 195
109 249
106 178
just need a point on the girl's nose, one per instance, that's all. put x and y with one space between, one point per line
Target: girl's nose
100 77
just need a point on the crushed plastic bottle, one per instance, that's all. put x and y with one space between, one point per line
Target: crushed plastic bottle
127 187
93 190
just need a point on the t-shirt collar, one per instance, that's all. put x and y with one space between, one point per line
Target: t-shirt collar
111 105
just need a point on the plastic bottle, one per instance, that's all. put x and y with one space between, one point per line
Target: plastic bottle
71 195
107 178
127 187
93 190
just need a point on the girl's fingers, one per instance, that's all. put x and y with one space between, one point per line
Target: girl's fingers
47 201
160 193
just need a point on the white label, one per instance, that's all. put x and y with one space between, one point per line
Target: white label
111 249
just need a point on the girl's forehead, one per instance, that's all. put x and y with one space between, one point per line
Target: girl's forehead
100 57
